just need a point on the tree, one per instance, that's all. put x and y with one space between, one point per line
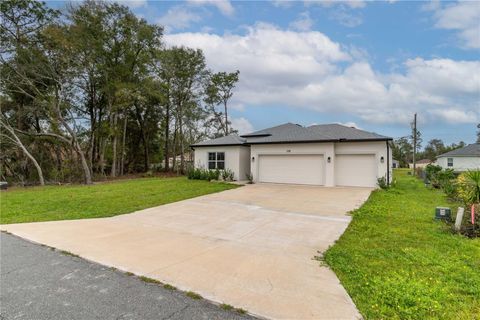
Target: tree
434 148
402 151
13 137
89 90
183 72
219 91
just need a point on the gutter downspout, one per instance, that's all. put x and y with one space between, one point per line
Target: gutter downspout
388 163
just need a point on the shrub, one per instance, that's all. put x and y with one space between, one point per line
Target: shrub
450 189
382 183
249 178
469 187
203 174
213 174
228 175
431 171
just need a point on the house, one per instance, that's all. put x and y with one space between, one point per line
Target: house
462 159
328 155
395 164
420 163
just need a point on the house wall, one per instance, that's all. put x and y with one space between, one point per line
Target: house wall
244 164
460 163
377 148
236 159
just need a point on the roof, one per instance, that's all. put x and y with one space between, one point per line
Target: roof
294 133
230 140
427 161
471 150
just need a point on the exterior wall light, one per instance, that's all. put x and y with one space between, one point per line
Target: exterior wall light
329 159
253 159
382 159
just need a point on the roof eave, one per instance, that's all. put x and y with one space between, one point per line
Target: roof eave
322 141
458 155
218 145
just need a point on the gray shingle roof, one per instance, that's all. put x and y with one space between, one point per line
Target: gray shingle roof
232 139
337 131
472 150
290 132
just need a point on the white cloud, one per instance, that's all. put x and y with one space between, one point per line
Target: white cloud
349 124
224 6
354 4
457 116
133 3
308 70
242 125
282 3
178 17
346 18
463 16
303 23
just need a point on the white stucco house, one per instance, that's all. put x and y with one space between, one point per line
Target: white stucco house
462 159
328 155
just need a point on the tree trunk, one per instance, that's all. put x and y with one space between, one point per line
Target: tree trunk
122 162
76 145
102 146
27 153
226 118
174 153
114 146
167 136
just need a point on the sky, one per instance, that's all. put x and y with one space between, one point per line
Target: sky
371 65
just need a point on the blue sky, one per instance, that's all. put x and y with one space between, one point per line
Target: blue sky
368 64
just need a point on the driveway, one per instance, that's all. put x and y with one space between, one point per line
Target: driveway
251 247
42 284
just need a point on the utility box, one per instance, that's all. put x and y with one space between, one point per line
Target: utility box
443 213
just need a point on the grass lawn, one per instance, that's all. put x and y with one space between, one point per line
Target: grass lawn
396 262
100 200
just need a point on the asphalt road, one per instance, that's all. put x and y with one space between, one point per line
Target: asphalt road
40 283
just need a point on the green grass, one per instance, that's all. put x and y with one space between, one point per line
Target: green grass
149 280
100 200
193 295
396 262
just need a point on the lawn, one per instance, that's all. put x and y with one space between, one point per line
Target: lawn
100 200
396 262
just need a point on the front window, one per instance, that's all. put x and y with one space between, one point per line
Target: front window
216 160
449 162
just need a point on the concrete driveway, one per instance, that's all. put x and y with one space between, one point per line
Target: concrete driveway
251 247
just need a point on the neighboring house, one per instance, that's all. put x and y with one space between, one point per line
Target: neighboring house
462 159
420 163
329 155
395 164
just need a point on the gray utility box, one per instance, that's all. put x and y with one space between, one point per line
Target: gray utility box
443 213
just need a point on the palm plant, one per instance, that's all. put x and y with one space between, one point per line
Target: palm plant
469 186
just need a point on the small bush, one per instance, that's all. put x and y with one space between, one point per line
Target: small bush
431 170
203 174
468 190
382 183
249 178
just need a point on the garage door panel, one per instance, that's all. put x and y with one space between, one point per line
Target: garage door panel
298 169
358 170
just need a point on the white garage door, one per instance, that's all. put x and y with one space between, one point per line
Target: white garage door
298 169
358 170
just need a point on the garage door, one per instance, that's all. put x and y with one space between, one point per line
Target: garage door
358 170
298 169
